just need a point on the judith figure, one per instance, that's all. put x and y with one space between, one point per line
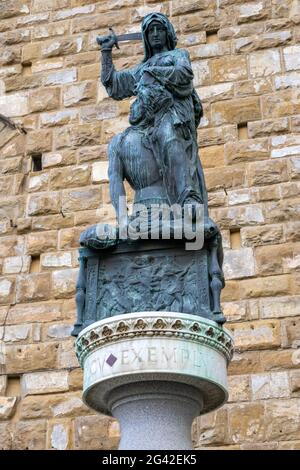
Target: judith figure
160 159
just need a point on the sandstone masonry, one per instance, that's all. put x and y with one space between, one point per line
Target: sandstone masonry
246 60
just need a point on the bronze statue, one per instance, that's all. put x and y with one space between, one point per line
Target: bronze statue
158 155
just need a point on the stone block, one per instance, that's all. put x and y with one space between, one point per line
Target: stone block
16 264
81 199
38 182
218 49
26 358
200 21
64 282
9 9
70 407
236 111
265 286
284 210
224 178
212 428
48 222
239 263
39 141
257 86
76 176
76 379
263 41
245 362
291 334
98 152
247 422
188 6
12 245
100 172
267 172
292 231
59 118
61 77
269 259
60 435
235 311
295 382
256 335
254 236
91 432
273 385
251 11
35 312
14 105
239 196
3 385
39 383
14 333
33 287
283 423
63 157
69 238
66 354
7 407
59 330
239 216
242 30
83 92
44 99
40 242
291 56
282 103
104 110
247 150
100 21
56 260
201 72
52 29
61 46
5 436
7 291
43 203
239 388
280 307
268 127
229 68
216 199
212 93
294 167
30 435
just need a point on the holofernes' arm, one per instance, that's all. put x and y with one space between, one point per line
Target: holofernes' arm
116 180
119 85
176 77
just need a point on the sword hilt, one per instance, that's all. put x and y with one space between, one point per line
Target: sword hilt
115 37
101 39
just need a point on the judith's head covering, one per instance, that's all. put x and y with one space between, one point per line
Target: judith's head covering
171 35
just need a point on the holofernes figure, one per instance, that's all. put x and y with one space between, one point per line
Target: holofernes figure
158 154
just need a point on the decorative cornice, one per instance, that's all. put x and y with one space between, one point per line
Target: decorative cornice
150 324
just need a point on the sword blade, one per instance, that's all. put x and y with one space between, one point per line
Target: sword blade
130 37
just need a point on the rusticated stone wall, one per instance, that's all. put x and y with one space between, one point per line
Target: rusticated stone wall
246 59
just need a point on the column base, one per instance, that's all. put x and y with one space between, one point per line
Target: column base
155 372
156 415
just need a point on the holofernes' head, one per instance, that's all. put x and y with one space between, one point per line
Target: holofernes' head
150 100
158 32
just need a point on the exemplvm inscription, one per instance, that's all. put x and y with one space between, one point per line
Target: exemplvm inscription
147 356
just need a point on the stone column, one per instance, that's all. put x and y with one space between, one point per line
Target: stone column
155 372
